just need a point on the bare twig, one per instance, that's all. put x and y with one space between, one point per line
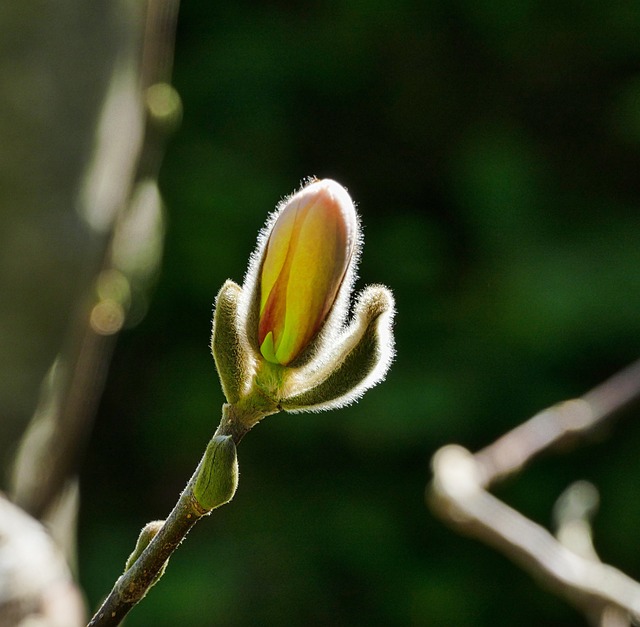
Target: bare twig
558 424
572 514
458 494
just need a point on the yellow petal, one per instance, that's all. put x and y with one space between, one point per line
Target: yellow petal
304 264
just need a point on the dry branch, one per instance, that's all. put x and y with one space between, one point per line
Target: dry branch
458 494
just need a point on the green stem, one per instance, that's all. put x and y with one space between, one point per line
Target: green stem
133 584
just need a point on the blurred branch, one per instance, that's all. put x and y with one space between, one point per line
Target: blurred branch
36 587
458 494
558 425
121 204
572 514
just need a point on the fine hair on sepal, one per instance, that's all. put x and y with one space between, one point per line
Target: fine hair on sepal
359 360
234 361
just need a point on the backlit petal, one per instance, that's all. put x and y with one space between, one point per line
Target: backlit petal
305 261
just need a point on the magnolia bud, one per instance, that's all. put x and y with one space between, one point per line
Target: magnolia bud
305 260
283 340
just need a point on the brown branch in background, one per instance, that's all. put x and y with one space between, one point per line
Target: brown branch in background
557 425
572 514
121 204
458 494
159 36
120 211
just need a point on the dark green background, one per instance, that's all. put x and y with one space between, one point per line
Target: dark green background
492 148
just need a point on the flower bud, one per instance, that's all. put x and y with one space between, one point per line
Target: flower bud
283 341
217 477
307 255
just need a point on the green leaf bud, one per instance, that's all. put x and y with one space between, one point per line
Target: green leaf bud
217 478
147 534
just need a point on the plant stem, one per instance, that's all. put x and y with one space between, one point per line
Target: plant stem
133 584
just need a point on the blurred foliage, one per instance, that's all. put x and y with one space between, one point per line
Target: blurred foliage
492 148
